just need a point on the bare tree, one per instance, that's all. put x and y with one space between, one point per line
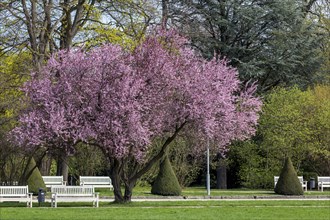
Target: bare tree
43 26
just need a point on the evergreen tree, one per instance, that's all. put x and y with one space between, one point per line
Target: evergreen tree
288 183
271 41
166 182
35 180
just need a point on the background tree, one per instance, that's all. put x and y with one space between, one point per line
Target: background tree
324 18
96 97
88 161
48 26
272 41
318 158
250 166
285 123
293 122
186 163
45 26
12 69
122 22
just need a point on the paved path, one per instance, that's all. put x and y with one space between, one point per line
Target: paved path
210 198
214 198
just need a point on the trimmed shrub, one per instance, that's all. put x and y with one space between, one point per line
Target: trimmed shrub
288 182
166 182
35 180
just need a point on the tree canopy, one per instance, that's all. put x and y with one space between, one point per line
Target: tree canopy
121 100
272 41
297 122
44 27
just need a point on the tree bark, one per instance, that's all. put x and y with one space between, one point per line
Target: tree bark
222 174
129 190
115 175
45 166
164 13
62 167
65 168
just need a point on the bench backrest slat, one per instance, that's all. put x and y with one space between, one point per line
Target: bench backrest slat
325 179
13 191
301 179
95 180
53 179
72 190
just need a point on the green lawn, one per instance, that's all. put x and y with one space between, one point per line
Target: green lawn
254 209
201 191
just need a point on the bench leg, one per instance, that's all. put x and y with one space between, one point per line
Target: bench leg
97 200
54 201
29 203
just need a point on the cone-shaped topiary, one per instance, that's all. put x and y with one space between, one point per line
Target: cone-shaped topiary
288 182
35 180
166 182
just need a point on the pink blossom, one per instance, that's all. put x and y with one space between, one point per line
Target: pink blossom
122 100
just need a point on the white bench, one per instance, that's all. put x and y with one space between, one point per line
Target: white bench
96 181
16 193
53 181
322 182
301 180
13 183
74 194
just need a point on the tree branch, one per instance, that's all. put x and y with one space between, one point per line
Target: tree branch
160 154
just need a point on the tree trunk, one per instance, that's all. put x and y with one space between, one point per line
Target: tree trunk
117 189
164 13
45 166
58 167
222 174
129 190
65 168
62 167
115 175
116 182
118 179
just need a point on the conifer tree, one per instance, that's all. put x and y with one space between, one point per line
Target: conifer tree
288 182
35 180
166 182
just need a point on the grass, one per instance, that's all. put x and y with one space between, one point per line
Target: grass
206 209
201 191
183 209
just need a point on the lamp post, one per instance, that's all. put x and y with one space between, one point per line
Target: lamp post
208 169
